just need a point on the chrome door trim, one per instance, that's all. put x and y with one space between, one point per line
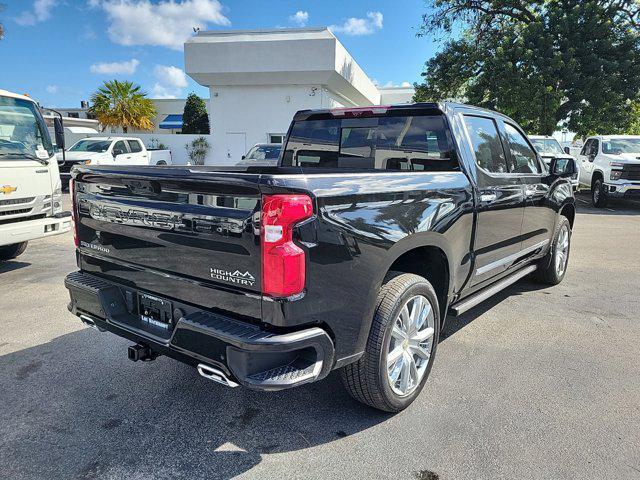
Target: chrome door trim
511 258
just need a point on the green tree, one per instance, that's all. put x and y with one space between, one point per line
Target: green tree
546 63
634 128
195 118
122 104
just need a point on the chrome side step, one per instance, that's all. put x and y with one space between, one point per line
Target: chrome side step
479 297
215 375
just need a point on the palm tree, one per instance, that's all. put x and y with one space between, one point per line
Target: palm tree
122 104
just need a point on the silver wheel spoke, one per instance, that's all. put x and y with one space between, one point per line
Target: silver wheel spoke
420 351
415 314
394 356
415 376
405 375
422 335
397 333
405 318
394 373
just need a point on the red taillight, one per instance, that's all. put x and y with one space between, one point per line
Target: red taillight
74 213
283 262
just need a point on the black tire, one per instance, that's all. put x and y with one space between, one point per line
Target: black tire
598 194
366 380
547 272
8 252
161 163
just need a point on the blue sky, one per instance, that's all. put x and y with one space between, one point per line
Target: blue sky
59 51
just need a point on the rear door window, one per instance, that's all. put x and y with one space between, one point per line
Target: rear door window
135 146
119 148
486 144
386 143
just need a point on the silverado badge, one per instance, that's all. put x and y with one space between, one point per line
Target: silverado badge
7 189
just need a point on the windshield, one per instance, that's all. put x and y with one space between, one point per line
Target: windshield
99 146
23 132
616 146
264 152
547 145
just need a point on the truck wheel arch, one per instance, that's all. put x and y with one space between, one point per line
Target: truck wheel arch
597 174
428 257
569 211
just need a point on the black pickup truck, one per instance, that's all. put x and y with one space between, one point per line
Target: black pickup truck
376 224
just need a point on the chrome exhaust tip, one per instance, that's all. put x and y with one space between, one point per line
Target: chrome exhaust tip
215 375
90 322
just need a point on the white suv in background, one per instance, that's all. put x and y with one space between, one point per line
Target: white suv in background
610 166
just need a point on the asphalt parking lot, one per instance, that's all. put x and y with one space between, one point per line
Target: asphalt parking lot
535 383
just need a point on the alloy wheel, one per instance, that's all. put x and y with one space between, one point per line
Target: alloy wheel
562 251
410 345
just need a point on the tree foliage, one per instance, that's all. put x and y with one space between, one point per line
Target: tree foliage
122 104
546 63
195 118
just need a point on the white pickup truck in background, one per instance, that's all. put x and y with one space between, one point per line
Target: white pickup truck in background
109 151
30 190
610 166
548 147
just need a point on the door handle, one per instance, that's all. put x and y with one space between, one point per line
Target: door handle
488 197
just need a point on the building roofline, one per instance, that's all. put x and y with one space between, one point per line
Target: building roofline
259 31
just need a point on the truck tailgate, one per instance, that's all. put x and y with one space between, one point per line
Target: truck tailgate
176 232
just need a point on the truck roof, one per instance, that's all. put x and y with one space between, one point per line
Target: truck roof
611 137
7 93
539 137
110 138
443 107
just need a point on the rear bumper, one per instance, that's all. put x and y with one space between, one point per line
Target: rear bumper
246 353
23 231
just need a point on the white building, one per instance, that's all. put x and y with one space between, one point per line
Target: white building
258 79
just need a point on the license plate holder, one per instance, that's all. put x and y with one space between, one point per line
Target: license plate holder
155 311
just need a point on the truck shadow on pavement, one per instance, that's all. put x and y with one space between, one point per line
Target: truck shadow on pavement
12 265
76 407
455 324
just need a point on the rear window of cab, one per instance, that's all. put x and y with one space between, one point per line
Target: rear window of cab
397 143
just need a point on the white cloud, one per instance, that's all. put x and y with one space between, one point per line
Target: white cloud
300 18
170 82
53 89
168 23
390 84
115 68
360 26
40 12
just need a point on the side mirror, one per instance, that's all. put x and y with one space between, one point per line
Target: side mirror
567 150
58 129
243 157
562 167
